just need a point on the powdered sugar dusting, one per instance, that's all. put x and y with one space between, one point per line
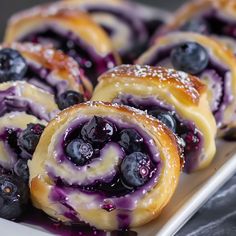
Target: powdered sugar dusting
190 85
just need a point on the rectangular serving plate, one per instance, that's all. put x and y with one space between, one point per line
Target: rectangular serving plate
193 191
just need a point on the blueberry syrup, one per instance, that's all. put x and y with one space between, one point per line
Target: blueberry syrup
92 63
38 218
40 77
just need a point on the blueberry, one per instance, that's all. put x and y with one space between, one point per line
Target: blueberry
21 170
68 99
189 57
131 140
97 130
135 169
165 117
14 195
12 137
12 65
195 25
79 152
29 138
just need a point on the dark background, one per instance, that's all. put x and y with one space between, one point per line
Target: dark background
8 7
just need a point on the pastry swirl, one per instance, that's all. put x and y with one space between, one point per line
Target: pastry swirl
72 32
51 70
215 18
129 25
21 104
218 73
107 190
176 98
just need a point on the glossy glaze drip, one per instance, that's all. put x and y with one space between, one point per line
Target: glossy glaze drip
92 63
192 152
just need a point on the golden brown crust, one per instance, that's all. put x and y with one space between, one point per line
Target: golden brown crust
195 7
87 207
66 19
178 82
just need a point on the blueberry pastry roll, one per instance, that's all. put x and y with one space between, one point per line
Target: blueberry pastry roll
128 24
211 61
175 98
24 111
72 32
106 165
216 18
47 69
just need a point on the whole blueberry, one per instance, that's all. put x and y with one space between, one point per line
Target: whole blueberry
197 25
79 152
12 137
68 99
165 117
97 130
189 57
131 140
12 65
135 169
21 170
14 195
29 138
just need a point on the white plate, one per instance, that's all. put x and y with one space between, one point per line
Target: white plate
193 191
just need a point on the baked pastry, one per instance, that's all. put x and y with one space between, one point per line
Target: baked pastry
129 24
211 61
45 68
72 32
21 104
106 165
212 17
175 98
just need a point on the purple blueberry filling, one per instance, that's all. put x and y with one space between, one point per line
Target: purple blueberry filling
92 63
41 78
211 22
20 144
95 136
215 74
192 137
138 31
